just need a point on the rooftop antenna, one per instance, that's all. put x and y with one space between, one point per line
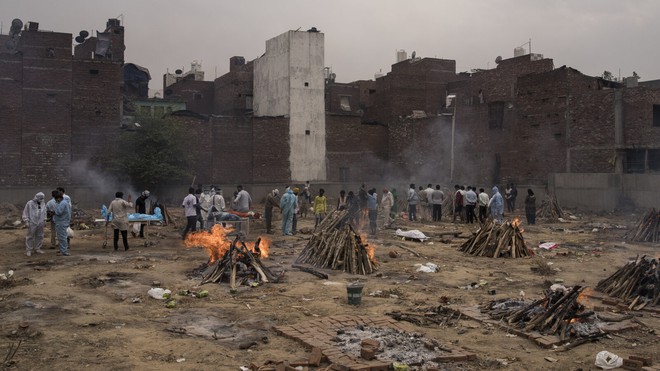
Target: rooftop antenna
529 45
122 18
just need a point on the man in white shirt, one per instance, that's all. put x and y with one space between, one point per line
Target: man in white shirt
190 211
437 197
483 205
243 201
470 204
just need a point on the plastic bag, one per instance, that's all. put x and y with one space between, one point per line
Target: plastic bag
136 227
427 268
158 293
607 360
69 232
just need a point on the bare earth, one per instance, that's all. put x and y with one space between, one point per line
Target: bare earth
91 310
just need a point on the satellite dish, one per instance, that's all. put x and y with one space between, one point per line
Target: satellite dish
80 39
414 53
498 59
178 72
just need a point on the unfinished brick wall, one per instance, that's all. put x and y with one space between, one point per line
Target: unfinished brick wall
11 107
270 138
233 90
355 152
198 95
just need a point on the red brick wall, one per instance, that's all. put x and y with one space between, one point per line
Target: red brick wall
95 106
233 90
361 148
271 150
335 91
198 95
11 106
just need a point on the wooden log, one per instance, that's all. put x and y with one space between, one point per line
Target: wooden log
310 270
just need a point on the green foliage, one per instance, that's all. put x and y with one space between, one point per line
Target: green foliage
152 154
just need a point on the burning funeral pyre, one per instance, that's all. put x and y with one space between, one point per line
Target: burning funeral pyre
636 283
558 313
647 229
336 245
550 208
497 241
232 260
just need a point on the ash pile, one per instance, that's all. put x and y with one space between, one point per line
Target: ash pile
497 241
559 313
647 228
232 260
392 345
336 245
637 283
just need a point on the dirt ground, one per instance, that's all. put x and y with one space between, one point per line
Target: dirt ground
91 310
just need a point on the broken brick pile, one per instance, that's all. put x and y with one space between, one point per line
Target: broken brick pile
322 334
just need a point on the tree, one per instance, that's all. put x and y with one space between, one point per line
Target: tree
607 75
152 154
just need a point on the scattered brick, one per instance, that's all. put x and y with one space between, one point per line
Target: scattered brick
368 353
631 364
648 361
371 343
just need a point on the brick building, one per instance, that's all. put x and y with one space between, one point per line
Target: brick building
57 108
520 121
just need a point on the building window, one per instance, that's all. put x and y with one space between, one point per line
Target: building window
635 161
50 97
345 103
93 72
306 84
307 132
654 160
495 115
198 96
656 115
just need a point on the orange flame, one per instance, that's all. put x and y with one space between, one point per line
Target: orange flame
264 246
583 298
369 248
217 243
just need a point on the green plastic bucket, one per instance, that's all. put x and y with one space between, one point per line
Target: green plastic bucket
354 291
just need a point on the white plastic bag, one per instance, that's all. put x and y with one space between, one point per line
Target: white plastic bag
69 232
136 227
607 360
427 268
158 293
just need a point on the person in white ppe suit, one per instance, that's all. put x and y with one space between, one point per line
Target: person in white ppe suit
34 216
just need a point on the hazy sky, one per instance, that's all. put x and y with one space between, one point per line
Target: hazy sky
361 36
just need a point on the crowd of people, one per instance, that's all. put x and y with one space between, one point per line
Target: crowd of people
206 206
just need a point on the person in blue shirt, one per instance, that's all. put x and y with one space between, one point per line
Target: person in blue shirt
62 219
496 205
287 205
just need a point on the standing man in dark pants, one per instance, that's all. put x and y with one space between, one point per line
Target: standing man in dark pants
272 200
190 212
119 209
141 208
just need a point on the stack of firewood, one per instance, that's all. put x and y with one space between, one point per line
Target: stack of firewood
550 208
336 245
552 315
636 283
648 228
497 240
238 257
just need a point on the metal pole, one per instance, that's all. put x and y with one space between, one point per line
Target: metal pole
453 131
